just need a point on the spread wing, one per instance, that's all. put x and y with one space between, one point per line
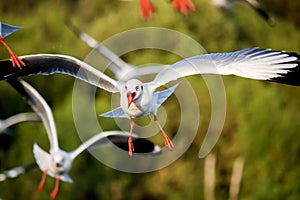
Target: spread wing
252 63
47 64
40 106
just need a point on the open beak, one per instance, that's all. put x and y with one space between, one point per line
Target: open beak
130 97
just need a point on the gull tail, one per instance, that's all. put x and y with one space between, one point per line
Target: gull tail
65 177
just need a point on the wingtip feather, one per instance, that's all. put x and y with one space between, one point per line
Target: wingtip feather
292 77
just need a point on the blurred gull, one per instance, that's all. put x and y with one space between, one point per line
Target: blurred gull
140 99
122 70
227 5
57 163
16 171
6 30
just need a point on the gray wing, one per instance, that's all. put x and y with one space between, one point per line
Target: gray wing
40 106
21 117
253 63
47 64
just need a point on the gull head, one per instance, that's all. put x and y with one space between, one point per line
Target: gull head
134 89
61 162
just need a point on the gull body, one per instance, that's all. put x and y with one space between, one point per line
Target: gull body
139 99
57 163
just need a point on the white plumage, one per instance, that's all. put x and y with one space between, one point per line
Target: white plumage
253 63
57 163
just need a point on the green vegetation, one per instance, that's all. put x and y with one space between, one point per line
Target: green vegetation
262 122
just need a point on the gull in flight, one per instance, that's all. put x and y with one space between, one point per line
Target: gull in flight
18 118
6 30
16 171
139 99
57 163
121 70
227 5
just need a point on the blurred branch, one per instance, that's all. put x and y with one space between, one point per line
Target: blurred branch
209 177
236 178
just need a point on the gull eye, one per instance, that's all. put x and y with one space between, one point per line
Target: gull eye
137 88
125 87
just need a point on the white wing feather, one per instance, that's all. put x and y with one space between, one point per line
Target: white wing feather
40 106
42 158
47 64
253 63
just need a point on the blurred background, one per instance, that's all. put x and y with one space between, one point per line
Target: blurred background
262 120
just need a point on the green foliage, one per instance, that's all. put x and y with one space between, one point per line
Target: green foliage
262 121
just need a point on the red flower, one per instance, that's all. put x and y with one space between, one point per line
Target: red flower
183 6
147 9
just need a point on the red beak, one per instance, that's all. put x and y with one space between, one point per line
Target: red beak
130 97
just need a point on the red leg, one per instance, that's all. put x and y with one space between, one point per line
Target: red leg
16 62
41 185
55 190
130 145
168 141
